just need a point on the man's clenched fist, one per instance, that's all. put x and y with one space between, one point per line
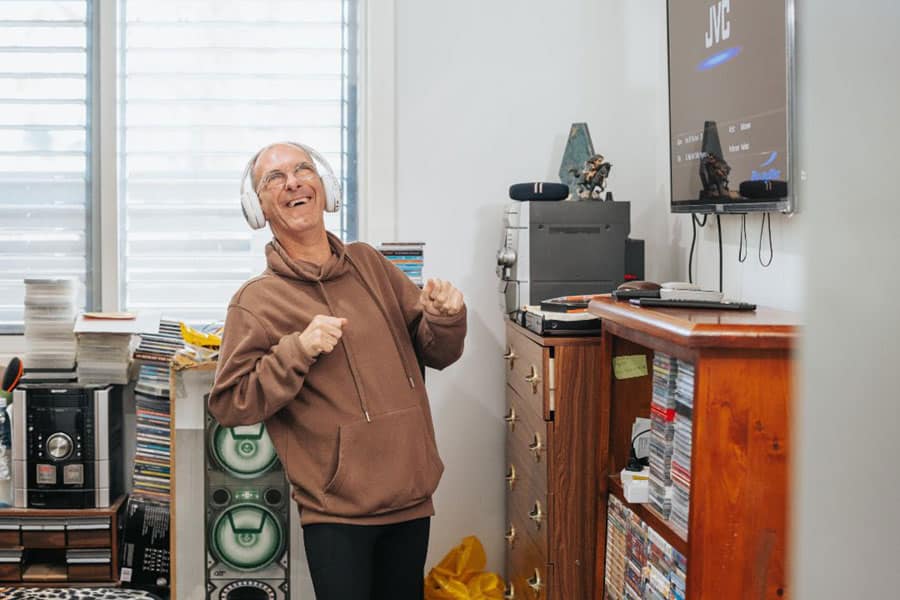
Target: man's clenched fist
440 298
322 335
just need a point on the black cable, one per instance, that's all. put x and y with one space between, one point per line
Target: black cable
691 253
636 464
694 222
719 227
744 247
766 220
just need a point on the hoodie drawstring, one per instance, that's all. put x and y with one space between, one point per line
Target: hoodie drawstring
353 374
387 319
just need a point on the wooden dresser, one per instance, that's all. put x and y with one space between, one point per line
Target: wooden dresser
552 399
733 408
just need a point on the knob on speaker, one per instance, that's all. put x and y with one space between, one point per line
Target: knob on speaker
59 446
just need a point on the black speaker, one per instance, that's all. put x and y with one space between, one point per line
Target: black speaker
538 190
766 188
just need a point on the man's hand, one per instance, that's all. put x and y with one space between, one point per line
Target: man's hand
440 298
322 335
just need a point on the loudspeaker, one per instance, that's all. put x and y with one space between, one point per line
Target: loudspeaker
765 188
247 516
250 205
538 190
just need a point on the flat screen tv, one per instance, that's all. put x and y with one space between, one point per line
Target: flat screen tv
731 105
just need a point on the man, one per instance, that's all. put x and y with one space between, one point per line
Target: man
325 348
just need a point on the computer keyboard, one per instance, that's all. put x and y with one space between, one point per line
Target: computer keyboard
721 305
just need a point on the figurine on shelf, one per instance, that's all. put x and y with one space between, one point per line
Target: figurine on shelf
592 179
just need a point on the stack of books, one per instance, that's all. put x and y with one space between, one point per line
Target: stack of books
407 256
50 309
640 563
662 432
681 449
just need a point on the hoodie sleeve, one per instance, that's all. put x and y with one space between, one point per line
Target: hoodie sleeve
254 378
438 340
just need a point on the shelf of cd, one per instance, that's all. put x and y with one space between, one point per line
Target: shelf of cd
717 388
653 518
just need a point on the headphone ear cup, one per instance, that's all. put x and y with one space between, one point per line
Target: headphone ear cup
332 192
252 210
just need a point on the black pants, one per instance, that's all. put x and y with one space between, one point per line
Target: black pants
367 562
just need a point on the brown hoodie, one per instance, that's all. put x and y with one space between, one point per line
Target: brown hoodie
352 427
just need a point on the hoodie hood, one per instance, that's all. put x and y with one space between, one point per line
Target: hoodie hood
280 263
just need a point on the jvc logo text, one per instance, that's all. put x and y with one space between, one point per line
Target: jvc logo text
719 25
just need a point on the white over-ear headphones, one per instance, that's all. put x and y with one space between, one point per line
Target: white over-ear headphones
250 205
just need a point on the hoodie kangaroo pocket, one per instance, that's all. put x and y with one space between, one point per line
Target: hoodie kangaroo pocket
386 465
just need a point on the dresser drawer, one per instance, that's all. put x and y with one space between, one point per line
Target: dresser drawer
528 573
525 371
528 518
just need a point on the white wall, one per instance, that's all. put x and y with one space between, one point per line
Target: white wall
846 522
486 92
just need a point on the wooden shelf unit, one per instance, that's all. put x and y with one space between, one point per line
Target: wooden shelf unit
743 363
43 549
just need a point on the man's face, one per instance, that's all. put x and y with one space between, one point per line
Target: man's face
290 191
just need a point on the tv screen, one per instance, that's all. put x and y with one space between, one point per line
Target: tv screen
730 98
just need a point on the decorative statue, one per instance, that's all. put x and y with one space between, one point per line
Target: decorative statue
592 179
714 176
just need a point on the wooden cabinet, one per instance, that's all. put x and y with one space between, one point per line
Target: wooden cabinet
48 547
742 363
552 427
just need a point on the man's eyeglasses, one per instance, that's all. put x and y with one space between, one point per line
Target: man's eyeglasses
276 181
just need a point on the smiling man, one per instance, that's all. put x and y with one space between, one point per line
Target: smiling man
325 347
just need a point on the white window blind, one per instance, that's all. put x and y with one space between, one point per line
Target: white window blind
203 84
44 149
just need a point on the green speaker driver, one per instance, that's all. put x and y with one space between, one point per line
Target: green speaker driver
247 537
245 451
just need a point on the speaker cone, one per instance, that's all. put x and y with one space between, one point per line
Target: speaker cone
245 452
247 537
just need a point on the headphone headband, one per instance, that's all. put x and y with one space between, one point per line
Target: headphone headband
250 204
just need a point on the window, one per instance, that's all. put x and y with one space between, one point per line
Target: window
200 86
203 84
45 183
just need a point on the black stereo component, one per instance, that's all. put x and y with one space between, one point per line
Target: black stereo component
67 446
539 190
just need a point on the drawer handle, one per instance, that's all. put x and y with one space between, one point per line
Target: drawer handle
510 356
535 582
511 477
533 379
510 592
536 446
510 535
536 514
511 418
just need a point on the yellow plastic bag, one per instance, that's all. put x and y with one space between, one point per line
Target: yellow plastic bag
460 576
